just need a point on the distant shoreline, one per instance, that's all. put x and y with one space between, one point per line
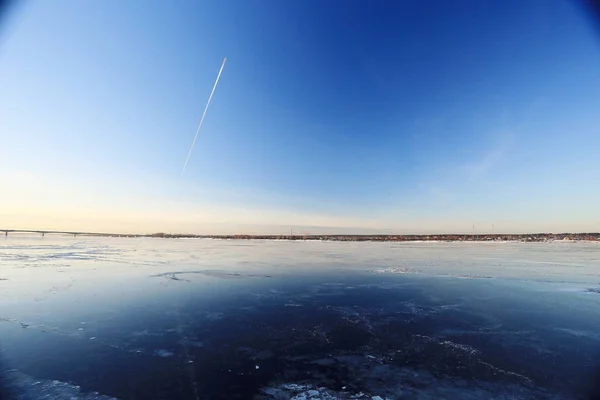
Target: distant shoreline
542 237
525 237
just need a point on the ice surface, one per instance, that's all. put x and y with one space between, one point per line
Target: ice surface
361 320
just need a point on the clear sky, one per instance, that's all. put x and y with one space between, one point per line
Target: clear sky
330 116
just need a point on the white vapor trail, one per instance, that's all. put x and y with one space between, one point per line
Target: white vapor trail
203 115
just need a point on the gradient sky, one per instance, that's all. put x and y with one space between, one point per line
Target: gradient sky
330 116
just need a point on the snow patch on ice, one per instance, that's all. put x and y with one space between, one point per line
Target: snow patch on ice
23 386
163 353
296 391
463 347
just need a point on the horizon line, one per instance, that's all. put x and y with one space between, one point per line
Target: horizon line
266 235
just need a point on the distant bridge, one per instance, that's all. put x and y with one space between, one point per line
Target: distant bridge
7 231
43 232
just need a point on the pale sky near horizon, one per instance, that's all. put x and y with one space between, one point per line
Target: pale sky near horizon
337 116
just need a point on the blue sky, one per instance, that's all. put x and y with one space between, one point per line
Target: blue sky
345 116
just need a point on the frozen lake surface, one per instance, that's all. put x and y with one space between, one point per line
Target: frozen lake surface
119 318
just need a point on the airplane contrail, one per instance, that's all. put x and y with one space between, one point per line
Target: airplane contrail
203 115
